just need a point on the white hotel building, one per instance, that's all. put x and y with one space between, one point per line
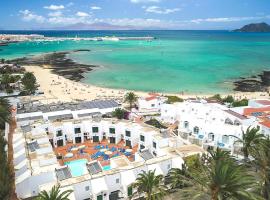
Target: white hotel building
207 123
37 167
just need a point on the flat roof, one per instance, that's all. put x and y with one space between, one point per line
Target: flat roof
44 108
263 102
188 150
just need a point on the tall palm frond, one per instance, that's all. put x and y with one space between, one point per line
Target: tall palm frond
222 178
130 98
262 163
54 194
250 140
5 113
150 185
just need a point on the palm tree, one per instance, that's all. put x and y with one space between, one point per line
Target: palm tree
5 172
220 177
179 178
250 140
54 194
29 82
4 112
119 113
130 98
262 162
150 185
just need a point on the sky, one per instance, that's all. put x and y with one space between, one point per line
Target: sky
167 14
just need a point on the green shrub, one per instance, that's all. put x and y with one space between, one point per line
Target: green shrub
242 102
174 99
155 123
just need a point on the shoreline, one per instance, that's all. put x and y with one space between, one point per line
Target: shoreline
58 68
59 63
58 88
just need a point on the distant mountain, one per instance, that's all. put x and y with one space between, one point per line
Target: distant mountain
94 26
259 27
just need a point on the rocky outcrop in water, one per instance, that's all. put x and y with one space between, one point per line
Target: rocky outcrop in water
58 63
259 27
259 83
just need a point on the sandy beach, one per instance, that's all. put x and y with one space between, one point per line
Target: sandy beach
57 88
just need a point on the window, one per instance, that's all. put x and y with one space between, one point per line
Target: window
59 133
142 146
152 105
237 123
128 133
154 145
211 137
87 188
77 130
196 130
112 130
117 180
228 121
130 192
142 138
99 197
225 139
95 129
186 124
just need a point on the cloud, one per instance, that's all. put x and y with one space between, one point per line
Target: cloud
82 14
27 15
55 14
140 22
227 19
54 7
95 8
145 1
158 10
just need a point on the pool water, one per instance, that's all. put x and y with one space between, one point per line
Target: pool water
77 167
106 168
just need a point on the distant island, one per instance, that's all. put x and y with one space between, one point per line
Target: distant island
256 27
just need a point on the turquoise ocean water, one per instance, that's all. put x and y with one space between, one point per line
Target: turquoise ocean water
190 61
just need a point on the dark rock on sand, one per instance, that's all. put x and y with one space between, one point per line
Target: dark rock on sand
259 83
58 63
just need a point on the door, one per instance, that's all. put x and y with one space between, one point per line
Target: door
95 139
60 143
113 195
78 140
128 143
112 140
129 190
99 197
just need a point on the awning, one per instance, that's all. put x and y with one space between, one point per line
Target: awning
156 167
98 185
128 177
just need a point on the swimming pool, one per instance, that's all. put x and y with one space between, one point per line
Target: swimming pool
77 167
106 168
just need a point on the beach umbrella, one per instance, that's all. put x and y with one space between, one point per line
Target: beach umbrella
129 150
75 149
69 155
108 153
82 147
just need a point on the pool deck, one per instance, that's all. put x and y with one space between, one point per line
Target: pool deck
89 150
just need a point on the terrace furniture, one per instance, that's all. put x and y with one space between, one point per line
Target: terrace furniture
127 154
